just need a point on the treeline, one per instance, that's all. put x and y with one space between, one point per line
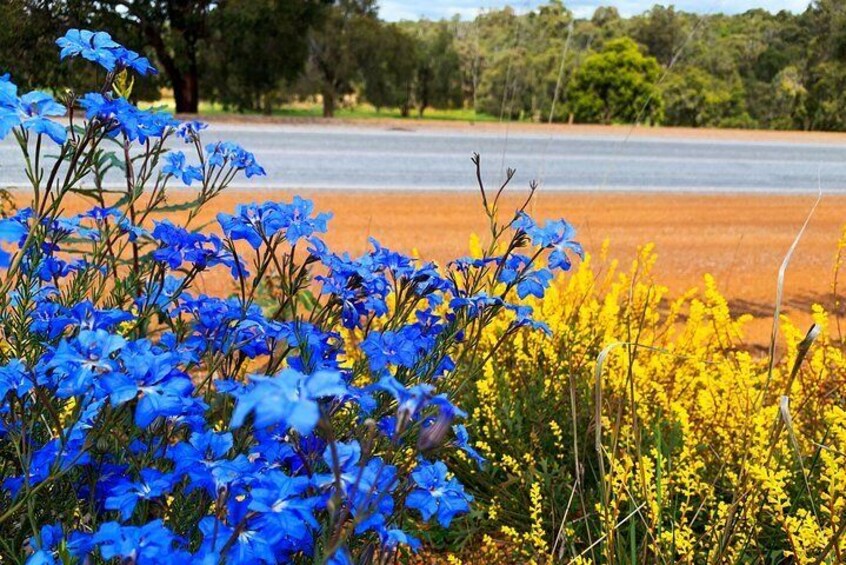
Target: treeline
756 69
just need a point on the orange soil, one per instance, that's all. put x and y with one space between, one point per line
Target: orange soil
741 240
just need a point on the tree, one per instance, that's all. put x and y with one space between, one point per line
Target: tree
788 99
618 84
28 49
662 31
389 63
552 59
695 98
826 71
606 23
523 58
335 52
241 29
438 70
467 47
176 31
504 75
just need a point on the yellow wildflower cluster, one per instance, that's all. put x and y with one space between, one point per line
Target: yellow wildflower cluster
645 430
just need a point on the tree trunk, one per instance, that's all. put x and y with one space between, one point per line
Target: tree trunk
267 106
328 103
186 86
187 91
187 94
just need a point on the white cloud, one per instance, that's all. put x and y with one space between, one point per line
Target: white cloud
394 10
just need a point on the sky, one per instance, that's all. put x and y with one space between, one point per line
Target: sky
394 10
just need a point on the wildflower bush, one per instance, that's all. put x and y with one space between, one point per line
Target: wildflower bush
644 430
307 417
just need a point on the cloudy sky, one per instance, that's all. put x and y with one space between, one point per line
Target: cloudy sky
394 10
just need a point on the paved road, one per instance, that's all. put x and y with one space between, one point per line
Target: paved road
318 156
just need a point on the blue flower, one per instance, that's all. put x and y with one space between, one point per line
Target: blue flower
177 167
317 349
150 543
189 131
236 157
37 107
462 442
260 223
10 116
395 537
203 460
436 495
15 229
290 397
55 455
99 47
360 285
284 509
165 391
249 546
556 235
128 59
121 116
126 494
50 537
367 486
410 400
86 317
476 304
534 283
401 348
523 319
251 223
298 221
74 363
15 377
177 245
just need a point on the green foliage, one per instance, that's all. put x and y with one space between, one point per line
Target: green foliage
28 49
520 77
618 84
337 51
694 98
438 75
501 36
243 28
663 31
389 66
754 69
178 32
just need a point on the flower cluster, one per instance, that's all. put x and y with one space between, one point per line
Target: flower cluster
304 417
688 427
99 47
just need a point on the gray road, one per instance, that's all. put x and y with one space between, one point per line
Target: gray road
342 157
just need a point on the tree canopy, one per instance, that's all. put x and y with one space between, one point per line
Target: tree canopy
755 69
618 83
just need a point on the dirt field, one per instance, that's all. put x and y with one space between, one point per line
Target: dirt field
741 240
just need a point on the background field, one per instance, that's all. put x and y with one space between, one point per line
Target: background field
741 240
